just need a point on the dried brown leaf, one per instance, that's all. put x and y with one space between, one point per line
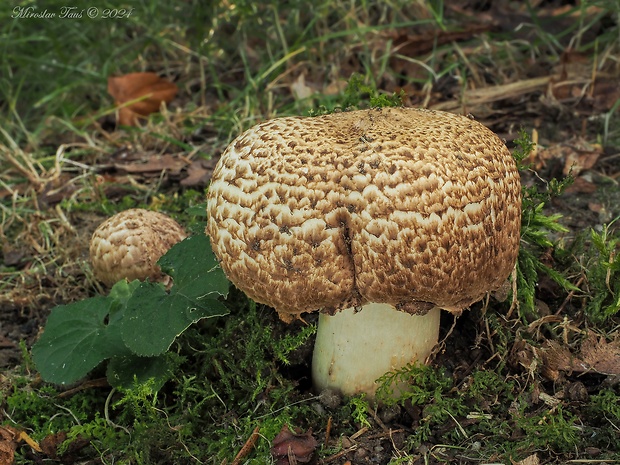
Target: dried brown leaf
596 355
581 186
50 443
199 173
8 444
151 89
531 460
300 89
577 155
605 94
9 439
581 160
168 163
413 45
289 447
556 358
601 356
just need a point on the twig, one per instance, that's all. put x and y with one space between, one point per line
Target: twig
359 433
95 383
484 95
440 346
515 298
378 420
247 447
342 453
328 430
386 435
568 297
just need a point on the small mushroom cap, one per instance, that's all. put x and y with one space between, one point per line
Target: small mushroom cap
414 208
128 245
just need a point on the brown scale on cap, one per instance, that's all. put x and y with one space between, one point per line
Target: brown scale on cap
128 245
400 206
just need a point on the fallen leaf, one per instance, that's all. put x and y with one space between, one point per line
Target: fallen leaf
148 89
596 207
300 89
290 447
414 45
605 94
531 460
51 444
596 356
168 163
199 173
555 358
579 160
601 356
9 439
7 446
581 186
577 154
335 87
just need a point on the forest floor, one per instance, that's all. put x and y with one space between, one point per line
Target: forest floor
532 383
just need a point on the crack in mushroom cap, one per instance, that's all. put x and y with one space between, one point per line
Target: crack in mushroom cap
128 245
414 208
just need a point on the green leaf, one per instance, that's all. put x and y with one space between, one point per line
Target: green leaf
154 318
122 290
126 371
199 210
194 268
136 319
76 339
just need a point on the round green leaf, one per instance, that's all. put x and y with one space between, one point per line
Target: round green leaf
76 339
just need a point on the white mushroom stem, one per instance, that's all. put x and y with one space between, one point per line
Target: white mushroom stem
354 349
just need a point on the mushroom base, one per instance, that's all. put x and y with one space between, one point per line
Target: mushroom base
354 349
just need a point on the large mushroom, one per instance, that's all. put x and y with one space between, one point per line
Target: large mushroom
128 245
377 218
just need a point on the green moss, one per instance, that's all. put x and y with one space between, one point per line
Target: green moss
430 389
553 428
537 230
359 410
359 94
43 411
237 384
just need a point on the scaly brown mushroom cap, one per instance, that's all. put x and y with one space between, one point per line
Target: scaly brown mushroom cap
414 208
128 245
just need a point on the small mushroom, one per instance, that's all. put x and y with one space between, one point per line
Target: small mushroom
128 245
377 218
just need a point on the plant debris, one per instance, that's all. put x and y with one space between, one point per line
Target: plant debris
139 95
596 355
289 448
